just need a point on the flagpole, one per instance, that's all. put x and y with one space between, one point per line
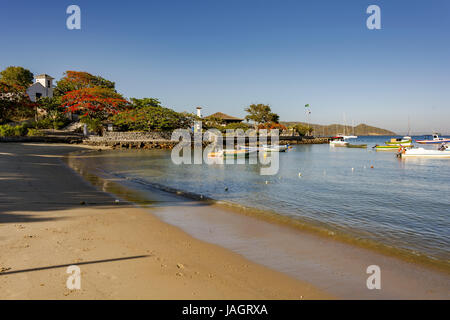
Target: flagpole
308 115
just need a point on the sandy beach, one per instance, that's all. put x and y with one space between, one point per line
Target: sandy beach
157 245
50 218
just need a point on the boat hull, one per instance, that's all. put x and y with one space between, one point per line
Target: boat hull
362 146
392 147
420 152
433 141
397 142
338 143
281 148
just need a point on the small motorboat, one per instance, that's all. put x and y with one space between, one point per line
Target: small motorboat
435 140
275 148
397 141
442 152
257 149
338 141
393 147
232 153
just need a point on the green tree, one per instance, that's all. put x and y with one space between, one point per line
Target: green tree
302 129
147 115
145 102
17 76
261 113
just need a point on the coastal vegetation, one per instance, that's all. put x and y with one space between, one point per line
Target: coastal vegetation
94 101
148 114
17 76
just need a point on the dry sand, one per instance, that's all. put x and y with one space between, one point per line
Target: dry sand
124 252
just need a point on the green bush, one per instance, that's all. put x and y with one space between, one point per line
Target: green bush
34 132
56 123
45 123
94 124
11 131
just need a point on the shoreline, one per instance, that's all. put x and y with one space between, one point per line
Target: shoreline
121 187
274 217
51 218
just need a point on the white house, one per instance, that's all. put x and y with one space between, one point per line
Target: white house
43 87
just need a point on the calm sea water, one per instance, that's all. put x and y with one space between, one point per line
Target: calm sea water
404 203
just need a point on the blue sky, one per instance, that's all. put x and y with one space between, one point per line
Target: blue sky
227 54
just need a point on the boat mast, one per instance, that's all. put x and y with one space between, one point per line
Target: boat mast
409 127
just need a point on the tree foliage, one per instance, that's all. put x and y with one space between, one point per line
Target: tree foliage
261 113
95 102
272 125
53 116
14 103
302 129
148 115
76 80
17 76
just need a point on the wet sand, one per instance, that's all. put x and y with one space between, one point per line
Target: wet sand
51 218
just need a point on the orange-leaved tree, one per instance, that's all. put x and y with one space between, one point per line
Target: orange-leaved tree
271 126
76 80
95 102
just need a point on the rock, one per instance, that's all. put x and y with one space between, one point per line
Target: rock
180 266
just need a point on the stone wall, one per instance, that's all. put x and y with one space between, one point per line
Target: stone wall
162 140
131 136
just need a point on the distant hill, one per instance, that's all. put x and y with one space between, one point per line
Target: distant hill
334 129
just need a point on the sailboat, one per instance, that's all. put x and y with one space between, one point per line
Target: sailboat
348 137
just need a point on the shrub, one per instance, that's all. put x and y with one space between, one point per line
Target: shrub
94 124
57 122
34 132
11 131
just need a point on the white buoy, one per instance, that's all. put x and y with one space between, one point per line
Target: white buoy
299 174
267 182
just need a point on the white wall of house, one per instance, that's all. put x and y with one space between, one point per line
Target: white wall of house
43 87
37 88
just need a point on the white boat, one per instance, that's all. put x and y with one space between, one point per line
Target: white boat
350 137
257 149
275 148
442 152
338 141
435 140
